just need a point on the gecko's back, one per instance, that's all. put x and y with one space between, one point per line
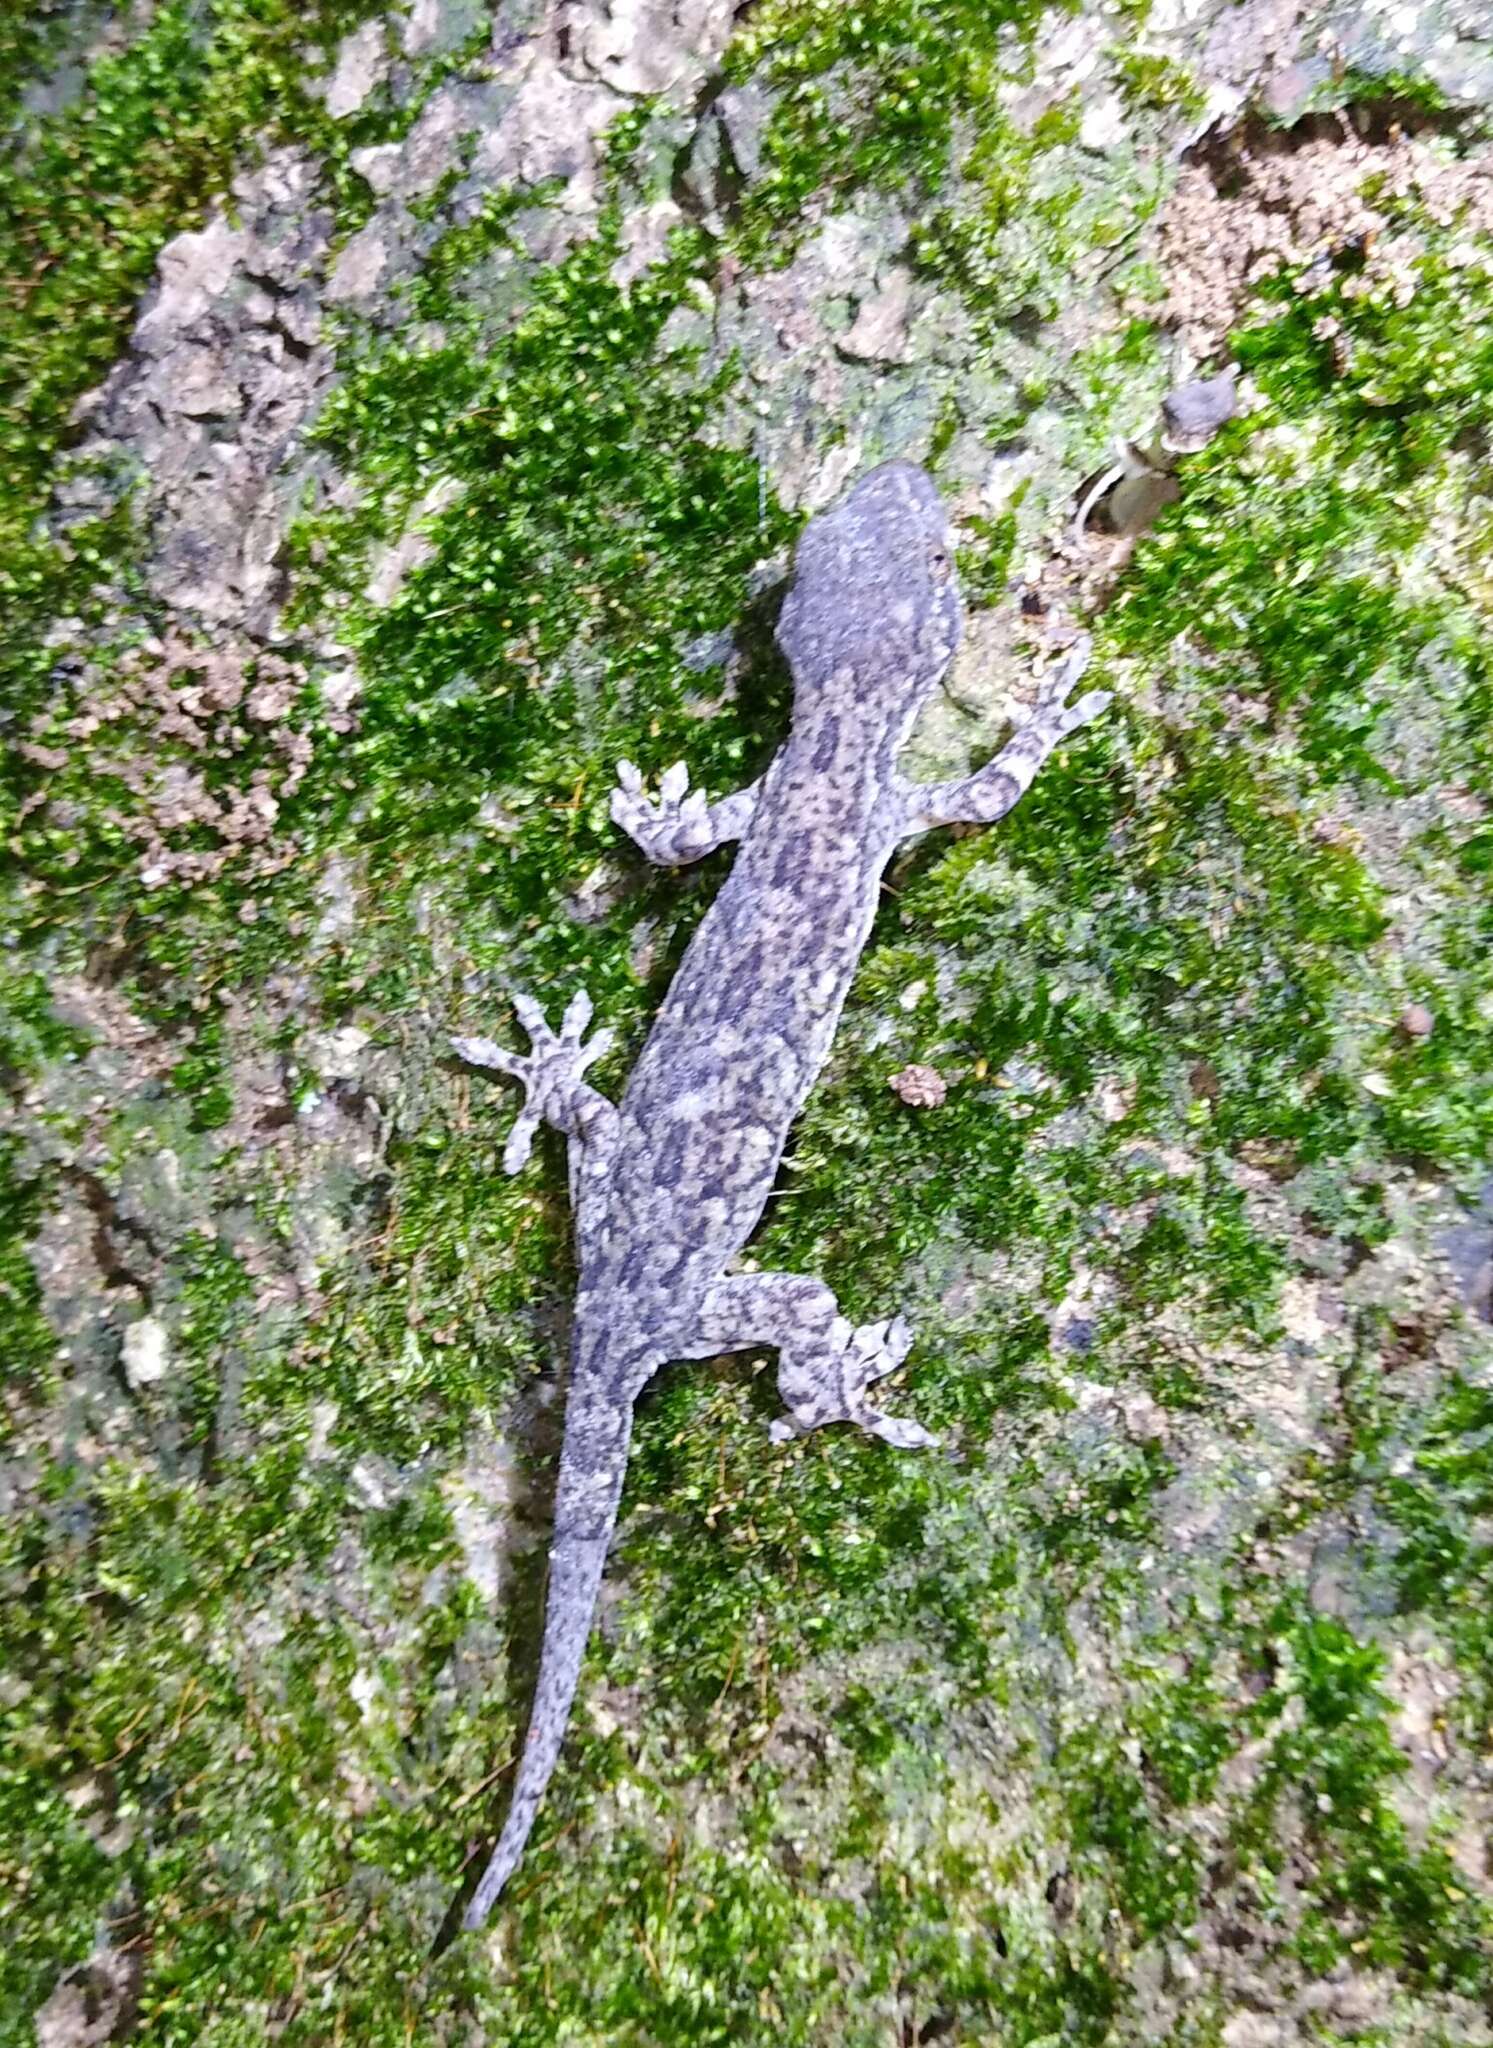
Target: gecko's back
749 1020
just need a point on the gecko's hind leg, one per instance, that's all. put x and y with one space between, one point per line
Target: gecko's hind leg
552 1072
826 1364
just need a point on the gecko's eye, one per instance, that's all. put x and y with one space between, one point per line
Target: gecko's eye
939 566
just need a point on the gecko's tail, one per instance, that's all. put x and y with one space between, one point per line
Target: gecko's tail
592 1467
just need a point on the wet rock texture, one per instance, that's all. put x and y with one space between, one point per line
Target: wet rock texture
461 417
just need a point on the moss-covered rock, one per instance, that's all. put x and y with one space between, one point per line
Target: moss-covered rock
410 412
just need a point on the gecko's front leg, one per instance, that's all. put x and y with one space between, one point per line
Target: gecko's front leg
826 1364
554 1091
981 798
679 825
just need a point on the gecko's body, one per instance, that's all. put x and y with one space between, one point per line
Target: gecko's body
669 1186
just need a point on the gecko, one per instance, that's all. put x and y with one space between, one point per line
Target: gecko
668 1185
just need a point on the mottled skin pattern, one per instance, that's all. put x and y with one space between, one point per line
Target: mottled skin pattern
669 1186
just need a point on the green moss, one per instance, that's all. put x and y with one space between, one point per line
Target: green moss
32 1029
868 96
898 96
213 1321
1387 92
1158 84
1159 972
446 1300
31 39
592 534
1439 1508
1120 900
141 151
591 523
445 281
1373 1894
1113 1819
217 1767
1271 572
29 1343
985 565
199 1076
84 211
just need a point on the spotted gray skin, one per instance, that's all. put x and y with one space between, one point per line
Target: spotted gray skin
1195 411
669 1185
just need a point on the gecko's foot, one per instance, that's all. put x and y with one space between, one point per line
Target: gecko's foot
672 828
1052 714
551 1071
829 1382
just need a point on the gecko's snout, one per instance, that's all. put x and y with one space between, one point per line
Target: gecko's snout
874 590
900 494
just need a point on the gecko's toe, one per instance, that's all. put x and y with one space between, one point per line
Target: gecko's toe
900 1431
1076 660
577 1016
485 1052
694 821
530 1014
1060 679
520 1143
1087 707
599 1045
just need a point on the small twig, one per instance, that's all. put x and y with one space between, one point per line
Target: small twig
730 1674
491 1779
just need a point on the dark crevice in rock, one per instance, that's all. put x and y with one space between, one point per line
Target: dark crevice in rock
1226 152
112 1226
715 167
937 2027
222 1429
299 351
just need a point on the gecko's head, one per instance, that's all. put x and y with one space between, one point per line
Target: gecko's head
874 606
